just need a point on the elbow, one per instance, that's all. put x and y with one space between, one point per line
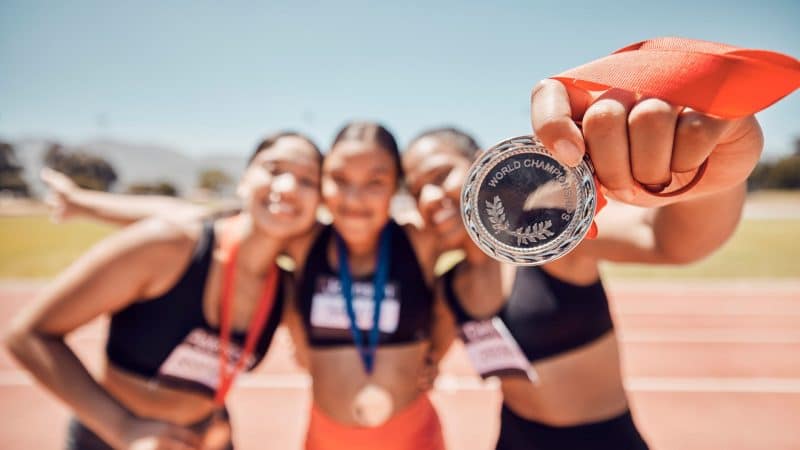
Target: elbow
16 341
20 341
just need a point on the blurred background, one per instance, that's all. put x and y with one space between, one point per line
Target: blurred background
171 97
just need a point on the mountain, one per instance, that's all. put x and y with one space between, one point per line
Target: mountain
133 162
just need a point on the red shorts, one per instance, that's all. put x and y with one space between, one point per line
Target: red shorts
416 427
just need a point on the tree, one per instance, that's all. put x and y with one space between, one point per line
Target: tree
11 179
156 188
87 171
785 174
214 180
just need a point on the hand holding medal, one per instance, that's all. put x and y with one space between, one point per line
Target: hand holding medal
660 119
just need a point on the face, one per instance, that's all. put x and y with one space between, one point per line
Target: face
435 171
359 179
281 187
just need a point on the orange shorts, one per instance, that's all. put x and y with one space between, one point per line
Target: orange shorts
416 427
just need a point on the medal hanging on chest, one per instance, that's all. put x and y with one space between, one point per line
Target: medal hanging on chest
373 404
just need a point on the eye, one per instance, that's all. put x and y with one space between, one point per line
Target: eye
440 177
308 182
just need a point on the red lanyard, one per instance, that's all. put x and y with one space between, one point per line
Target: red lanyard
716 79
226 373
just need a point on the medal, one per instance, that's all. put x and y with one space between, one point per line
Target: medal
521 206
372 405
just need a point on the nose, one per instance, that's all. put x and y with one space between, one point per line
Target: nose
284 184
429 195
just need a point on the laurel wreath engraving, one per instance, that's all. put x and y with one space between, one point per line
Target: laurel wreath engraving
530 234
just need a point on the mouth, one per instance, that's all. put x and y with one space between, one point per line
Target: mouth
354 214
443 215
281 208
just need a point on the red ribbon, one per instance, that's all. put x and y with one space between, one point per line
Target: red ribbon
230 246
715 79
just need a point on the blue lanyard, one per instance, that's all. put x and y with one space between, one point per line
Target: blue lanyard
379 283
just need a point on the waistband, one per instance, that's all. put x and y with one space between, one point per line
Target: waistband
616 433
416 427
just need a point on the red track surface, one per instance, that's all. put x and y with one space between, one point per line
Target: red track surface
708 366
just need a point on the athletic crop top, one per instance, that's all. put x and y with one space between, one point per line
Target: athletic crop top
546 316
168 338
406 309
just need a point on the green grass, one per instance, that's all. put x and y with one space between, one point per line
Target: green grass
759 249
33 247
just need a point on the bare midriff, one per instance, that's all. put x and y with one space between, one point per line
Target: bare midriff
338 375
580 386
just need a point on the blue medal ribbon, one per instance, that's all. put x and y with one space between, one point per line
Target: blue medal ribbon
380 277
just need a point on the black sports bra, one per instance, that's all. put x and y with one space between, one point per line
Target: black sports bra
406 310
150 336
546 316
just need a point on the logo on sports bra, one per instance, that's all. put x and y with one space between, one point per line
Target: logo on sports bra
194 363
493 351
329 317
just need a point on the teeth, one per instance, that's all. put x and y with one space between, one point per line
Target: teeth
443 214
281 208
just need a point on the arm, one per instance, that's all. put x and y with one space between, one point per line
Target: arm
68 200
127 266
674 234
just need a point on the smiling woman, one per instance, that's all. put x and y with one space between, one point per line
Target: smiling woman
192 302
367 308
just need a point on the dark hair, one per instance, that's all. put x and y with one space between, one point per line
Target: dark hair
273 139
377 133
463 142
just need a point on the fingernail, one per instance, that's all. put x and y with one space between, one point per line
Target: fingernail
655 188
568 152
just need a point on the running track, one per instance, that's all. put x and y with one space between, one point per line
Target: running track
708 366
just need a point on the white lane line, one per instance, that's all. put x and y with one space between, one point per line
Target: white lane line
723 385
454 383
703 337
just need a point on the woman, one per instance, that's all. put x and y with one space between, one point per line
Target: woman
366 303
183 296
558 314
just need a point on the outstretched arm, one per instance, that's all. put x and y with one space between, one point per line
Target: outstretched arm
69 200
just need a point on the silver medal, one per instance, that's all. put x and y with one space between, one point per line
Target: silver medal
523 207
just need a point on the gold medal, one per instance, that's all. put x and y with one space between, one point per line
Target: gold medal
373 405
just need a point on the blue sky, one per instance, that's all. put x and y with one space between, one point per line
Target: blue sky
212 76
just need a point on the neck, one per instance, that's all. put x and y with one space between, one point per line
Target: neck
257 251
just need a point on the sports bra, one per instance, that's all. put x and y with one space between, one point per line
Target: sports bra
168 337
406 309
545 315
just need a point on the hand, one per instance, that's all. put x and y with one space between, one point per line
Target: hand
142 434
427 375
641 146
60 197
